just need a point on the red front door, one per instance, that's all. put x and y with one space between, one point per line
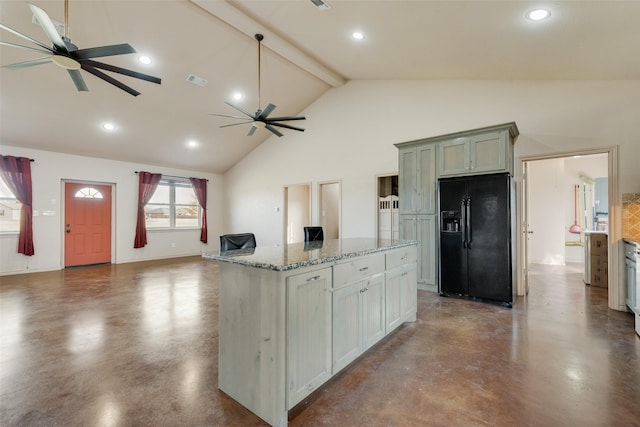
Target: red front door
87 224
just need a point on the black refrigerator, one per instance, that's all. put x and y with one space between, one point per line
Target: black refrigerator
477 237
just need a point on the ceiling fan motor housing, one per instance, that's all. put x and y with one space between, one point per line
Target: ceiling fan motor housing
70 46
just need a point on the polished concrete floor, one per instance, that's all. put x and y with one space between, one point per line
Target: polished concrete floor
136 345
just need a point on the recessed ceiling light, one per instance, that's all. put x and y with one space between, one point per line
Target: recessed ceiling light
192 143
108 126
538 14
144 59
357 35
237 96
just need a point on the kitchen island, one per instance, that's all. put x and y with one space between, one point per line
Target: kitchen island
291 317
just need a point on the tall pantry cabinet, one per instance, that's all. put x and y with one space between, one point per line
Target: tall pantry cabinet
417 206
423 162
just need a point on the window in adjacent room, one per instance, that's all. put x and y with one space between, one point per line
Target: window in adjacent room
173 205
9 210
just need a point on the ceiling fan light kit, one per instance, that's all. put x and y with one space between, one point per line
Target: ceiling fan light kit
261 119
65 62
66 55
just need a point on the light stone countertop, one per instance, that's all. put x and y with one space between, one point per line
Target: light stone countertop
298 255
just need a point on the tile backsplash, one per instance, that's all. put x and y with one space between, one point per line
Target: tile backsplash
631 216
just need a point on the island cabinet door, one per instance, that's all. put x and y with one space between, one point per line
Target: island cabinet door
347 312
409 292
358 319
401 291
393 312
308 333
373 310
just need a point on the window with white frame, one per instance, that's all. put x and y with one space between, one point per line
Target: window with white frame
9 210
173 205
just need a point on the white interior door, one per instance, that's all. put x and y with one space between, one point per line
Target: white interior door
330 209
547 197
297 202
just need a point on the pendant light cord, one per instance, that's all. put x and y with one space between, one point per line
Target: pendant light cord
259 37
66 19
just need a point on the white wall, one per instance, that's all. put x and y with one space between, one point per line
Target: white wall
350 132
49 169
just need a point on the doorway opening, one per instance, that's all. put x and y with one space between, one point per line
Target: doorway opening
88 230
559 209
297 211
330 209
387 204
565 205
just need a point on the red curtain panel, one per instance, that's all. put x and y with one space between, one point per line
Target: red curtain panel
147 184
200 188
16 174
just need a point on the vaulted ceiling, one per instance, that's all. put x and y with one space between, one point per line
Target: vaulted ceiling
306 51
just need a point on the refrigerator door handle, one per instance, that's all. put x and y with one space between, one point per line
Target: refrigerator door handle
463 234
468 227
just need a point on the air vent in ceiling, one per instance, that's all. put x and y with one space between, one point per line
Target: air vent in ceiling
320 4
196 80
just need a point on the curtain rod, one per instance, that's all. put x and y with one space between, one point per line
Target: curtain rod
172 176
31 160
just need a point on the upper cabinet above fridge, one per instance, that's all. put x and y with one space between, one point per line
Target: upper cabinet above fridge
486 150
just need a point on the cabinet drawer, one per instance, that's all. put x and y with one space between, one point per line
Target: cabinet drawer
352 271
401 256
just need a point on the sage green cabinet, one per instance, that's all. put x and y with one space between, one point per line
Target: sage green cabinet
418 205
400 287
422 162
308 332
417 180
485 152
358 319
282 326
422 228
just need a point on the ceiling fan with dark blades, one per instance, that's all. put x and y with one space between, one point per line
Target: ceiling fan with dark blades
67 55
261 119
